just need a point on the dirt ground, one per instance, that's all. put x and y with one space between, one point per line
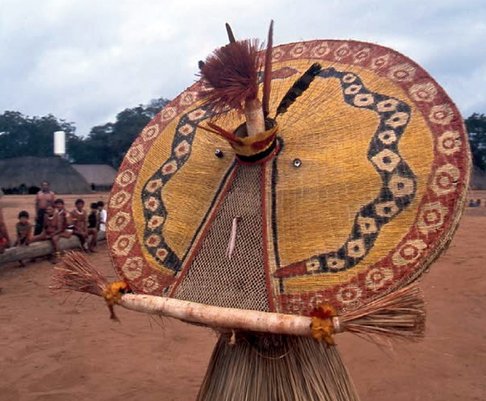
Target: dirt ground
56 348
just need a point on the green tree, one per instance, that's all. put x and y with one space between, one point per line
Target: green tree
476 127
108 143
30 136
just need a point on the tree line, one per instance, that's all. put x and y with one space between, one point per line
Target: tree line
107 144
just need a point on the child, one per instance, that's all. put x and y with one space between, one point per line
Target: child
50 231
103 215
79 222
24 231
93 226
64 217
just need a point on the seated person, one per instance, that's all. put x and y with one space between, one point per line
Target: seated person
93 226
79 222
103 215
64 217
24 231
50 231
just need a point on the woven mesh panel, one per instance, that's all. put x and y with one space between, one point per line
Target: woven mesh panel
239 281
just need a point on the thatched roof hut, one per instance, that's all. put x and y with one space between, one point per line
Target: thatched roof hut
99 176
25 174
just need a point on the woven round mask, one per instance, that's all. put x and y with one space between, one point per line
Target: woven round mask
358 192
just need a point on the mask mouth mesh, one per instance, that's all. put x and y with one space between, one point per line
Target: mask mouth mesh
238 281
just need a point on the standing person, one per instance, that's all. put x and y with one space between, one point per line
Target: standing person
23 229
51 230
103 215
93 226
4 238
79 222
45 197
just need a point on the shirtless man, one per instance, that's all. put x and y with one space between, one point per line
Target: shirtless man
51 231
45 197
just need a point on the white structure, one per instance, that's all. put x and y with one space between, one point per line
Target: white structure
59 143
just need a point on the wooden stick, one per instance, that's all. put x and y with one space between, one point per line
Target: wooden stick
255 121
218 317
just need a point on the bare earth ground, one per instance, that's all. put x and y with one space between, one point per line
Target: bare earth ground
53 348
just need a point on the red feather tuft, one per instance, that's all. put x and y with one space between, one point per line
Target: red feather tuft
231 75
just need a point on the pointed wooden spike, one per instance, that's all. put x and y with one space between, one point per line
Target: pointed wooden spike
267 74
229 31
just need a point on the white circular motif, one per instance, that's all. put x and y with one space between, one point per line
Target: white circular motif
387 105
377 278
150 284
449 142
380 62
119 199
397 119
125 178
151 203
409 252
441 114
298 50
277 54
123 245
135 154
363 99
342 52
387 137
150 132
119 221
402 72
132 268
431 217
352 89
424 92
188 98
349 78
168 114
362 55
349 295
445 179
153 241
320 50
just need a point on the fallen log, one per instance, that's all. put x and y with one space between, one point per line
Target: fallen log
39 249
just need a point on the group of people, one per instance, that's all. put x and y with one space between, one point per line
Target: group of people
53 222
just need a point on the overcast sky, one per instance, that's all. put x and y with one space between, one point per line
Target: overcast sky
86 60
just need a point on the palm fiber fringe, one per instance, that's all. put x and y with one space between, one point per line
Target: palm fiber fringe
270 367
75 273
399 315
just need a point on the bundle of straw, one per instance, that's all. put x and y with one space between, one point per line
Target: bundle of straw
399 315
250 361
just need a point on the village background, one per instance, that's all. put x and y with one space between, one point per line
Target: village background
54 347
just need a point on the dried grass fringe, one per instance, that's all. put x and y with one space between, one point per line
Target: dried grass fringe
269 367
399 315
76 273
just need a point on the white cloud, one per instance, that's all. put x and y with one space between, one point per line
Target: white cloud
84 61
